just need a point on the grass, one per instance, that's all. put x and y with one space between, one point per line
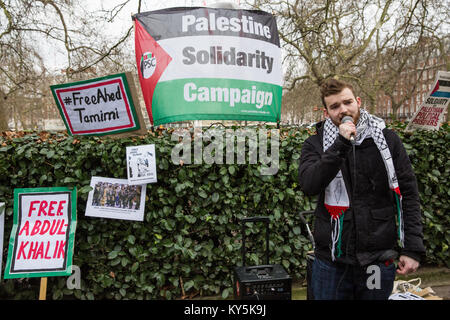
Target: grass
430 276
298 292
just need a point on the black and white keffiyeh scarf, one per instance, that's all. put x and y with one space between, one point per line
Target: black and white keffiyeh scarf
336 195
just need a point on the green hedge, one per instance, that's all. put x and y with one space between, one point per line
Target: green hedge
190 238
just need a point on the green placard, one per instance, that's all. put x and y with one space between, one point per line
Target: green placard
43 233
100 106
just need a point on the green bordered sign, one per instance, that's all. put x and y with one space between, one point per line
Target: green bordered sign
43 233
100 106
209 64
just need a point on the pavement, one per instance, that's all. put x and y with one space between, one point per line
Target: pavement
437 278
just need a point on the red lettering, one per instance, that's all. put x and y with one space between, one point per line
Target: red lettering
32 251
45 227
60 231
26 228
46 251
62 245
60 208
56 250
32 203
50 208
42 207
54 228
59 249
37 249
36 227
39 252
22 247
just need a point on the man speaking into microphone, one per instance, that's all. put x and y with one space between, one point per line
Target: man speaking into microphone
368 211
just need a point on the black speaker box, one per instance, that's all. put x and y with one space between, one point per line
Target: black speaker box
261 282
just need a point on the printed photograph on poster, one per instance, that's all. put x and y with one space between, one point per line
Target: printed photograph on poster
116 199
141 164
2 228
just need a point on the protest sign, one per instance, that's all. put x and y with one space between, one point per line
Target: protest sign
43 232
2 228
141 164
431 112
209 64
116 199
101 106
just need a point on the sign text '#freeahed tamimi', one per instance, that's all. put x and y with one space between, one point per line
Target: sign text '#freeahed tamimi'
209 64
100 106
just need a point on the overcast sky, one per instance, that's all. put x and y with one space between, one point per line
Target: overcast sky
131 8
55 58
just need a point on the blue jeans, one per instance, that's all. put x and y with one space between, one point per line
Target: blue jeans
331 281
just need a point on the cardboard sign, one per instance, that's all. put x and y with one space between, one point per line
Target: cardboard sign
43 232
209 64
141 164
431 112
116 199
100 106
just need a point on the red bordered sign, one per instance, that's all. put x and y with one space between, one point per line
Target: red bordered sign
97 106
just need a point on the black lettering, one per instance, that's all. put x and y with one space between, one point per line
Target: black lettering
187 53
241 59
203 57
229 57
118 94
217 55
79 113
111 116
74 98
251 56
94 118
100 95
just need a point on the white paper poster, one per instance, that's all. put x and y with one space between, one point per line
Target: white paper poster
43 233
431 112
141 164
97 106
116 199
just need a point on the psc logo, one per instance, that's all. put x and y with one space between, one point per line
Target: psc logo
148 65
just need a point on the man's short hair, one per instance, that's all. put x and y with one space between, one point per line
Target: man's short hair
333 86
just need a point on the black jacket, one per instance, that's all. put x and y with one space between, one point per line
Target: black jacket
369 227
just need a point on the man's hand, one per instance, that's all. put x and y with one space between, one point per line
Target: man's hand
407 265
347 129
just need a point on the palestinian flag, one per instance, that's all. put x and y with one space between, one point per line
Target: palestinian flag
442 89
209 64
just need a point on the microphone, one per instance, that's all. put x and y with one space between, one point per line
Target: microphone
349 119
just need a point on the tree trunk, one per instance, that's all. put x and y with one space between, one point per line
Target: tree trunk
3 115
